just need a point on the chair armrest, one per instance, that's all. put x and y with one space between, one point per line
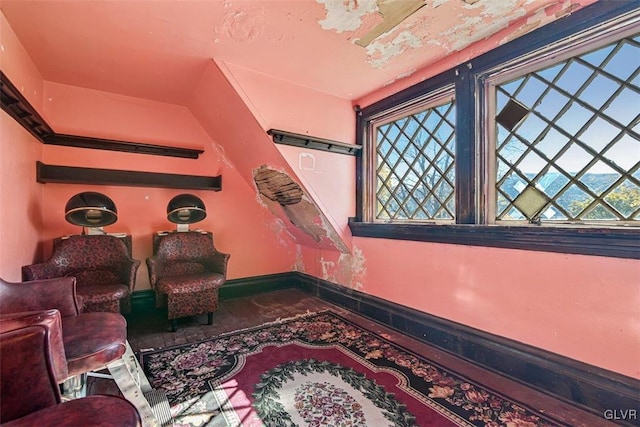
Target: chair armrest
216 262
128 272
18 325
38 295
46 270
155 265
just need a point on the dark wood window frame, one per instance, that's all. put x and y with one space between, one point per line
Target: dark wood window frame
620 242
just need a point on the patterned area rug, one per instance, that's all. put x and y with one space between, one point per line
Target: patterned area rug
321 370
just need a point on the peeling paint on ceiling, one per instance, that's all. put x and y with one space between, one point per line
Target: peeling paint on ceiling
381 52
346 15
393 13
158 49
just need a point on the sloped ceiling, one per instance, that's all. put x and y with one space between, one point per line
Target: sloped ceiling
346 48
341 49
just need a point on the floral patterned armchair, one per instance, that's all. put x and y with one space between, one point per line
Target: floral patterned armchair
105 273
186 273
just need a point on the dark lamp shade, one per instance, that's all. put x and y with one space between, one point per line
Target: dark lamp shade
90 209
186 209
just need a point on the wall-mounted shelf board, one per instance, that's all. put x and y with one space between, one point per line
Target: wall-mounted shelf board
17 106
92 176
306 141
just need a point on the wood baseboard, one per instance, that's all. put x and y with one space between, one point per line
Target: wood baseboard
586 386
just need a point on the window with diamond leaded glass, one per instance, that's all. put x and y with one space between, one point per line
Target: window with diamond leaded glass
545 130
567 139
415 167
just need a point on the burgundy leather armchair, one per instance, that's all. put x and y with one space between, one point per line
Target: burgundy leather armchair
186 273
32 363
105 273
91 340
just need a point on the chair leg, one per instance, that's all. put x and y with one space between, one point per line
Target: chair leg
210 318
74 387
174 325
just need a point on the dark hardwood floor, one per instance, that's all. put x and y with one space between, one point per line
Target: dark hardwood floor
149 329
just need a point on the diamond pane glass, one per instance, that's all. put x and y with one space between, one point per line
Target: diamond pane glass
578 142
424 170
552 182
625 199
574 200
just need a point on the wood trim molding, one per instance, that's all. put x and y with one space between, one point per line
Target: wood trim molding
611 242
78 175
18 107
246 286
589 387
586 386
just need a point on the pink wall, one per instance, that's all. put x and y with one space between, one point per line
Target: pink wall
577 306
239 228
224 114
282 105
20 196
232 216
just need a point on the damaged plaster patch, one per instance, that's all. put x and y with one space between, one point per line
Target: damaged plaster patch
348 270
245 24
286 199
542 17
380 42
277 186
346 15
393 13
438 3
352 269
380 52
305 216
299 265
489 21
222 155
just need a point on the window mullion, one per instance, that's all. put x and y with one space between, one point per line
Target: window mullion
467 168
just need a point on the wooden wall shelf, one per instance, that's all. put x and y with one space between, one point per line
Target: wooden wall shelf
306 141
78 175
17 106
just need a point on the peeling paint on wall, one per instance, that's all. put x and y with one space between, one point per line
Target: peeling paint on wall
222 155
305 216
352 269
348 270
299 264
327 269
346 15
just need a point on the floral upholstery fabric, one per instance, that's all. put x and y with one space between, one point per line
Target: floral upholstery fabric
186 273
105 273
